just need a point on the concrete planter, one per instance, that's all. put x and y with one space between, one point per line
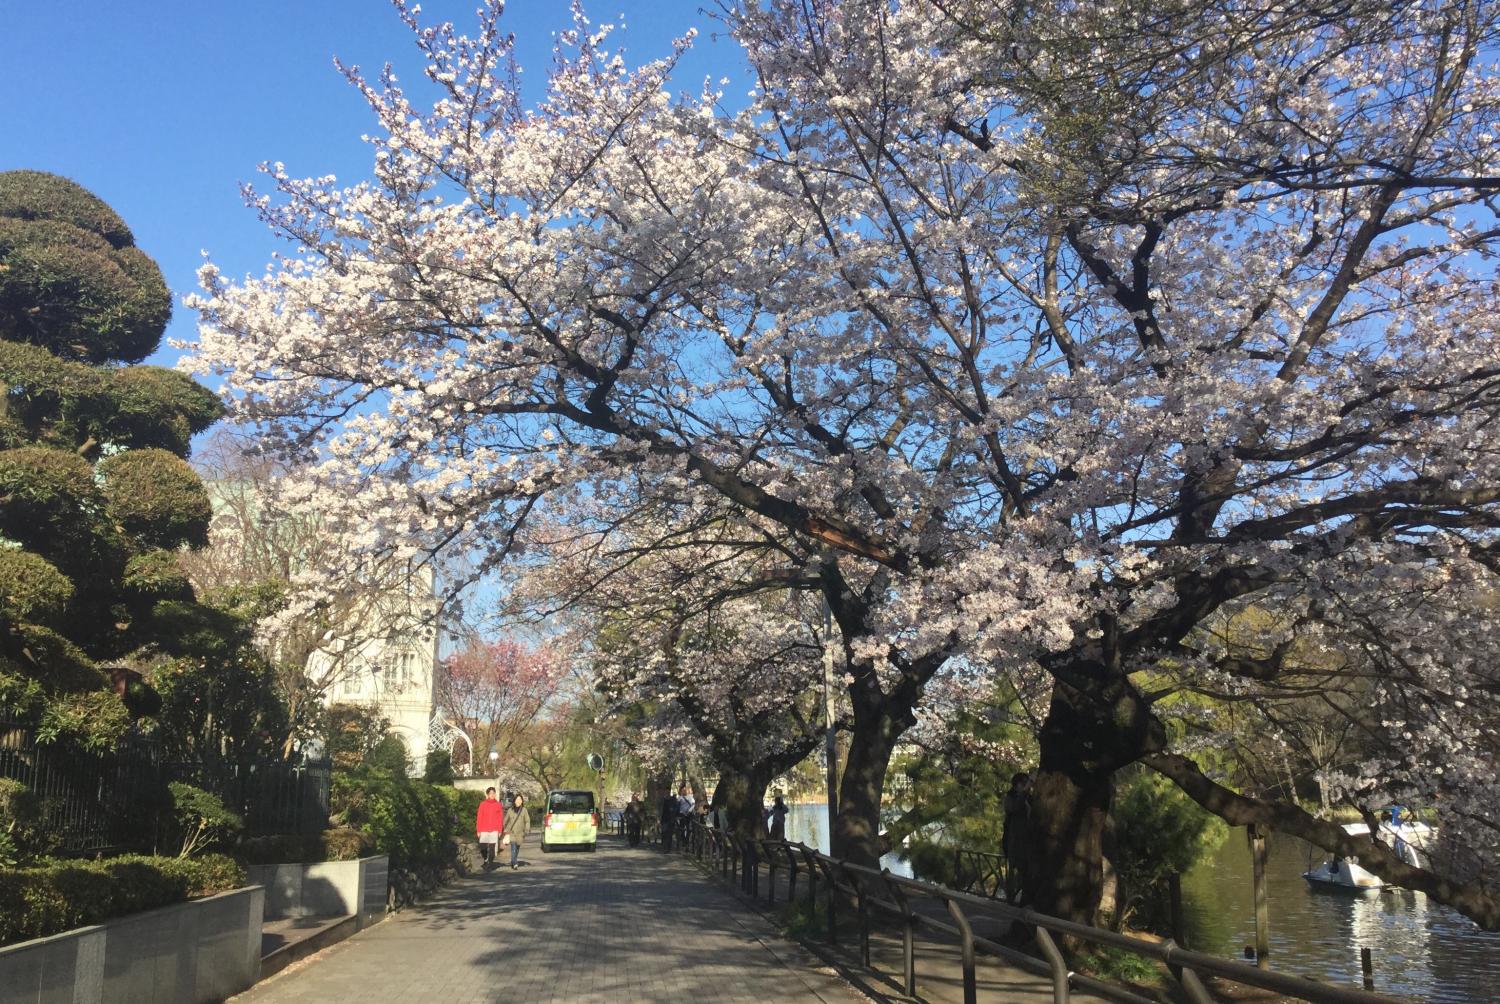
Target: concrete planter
325 889
198 952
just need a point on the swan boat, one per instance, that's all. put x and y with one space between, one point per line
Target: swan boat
1409 840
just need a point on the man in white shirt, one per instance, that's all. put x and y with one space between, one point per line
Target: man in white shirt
684 810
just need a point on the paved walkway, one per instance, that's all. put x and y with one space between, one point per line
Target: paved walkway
620 925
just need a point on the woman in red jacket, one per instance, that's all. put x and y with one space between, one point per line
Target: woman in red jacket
488 823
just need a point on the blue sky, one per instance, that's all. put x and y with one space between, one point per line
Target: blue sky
164 108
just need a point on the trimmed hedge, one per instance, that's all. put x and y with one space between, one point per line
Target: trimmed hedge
464 805
409 820
59 896
338 844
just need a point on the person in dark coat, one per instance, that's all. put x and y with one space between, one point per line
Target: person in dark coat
1016 837
634 816
668 820
777 818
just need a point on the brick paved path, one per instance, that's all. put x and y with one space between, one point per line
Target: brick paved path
619 925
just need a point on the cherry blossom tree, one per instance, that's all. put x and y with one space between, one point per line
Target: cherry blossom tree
276 560
499 690
703 634
1039 336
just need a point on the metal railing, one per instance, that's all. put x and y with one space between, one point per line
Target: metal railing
104 802
921 906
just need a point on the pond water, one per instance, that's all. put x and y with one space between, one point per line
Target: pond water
1420 949
808 824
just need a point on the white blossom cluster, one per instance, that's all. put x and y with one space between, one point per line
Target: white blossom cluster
1036 337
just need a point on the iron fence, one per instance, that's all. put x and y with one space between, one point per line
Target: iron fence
917 906
118 800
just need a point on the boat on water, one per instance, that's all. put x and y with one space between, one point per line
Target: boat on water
1409 840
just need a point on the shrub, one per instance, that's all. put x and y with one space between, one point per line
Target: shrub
156 497
344 844
73 281
201 819
931 862
409 820
337 844
23 830
58 896
31 588
464 806
439 767
1156 830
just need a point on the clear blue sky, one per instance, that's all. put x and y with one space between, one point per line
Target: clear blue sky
164 108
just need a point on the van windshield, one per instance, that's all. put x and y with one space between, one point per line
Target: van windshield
571 801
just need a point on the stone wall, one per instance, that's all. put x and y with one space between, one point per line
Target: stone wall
325 889
198 952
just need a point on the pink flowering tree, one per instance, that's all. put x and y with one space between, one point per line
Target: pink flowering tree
1042 341
501 691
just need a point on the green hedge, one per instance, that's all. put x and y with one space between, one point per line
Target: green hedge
464 805
411 821
338 844
58 896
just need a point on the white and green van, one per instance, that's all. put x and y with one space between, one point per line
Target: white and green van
570 820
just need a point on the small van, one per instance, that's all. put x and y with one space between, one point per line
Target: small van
570 820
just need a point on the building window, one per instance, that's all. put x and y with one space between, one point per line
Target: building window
396 668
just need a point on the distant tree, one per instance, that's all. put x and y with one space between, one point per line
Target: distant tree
97 499
498 690
264 562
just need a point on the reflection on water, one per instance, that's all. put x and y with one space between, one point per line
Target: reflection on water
1421 949
808 824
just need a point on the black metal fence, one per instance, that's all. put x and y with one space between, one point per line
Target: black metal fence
119 800
867 896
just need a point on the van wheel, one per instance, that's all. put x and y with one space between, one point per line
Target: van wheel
591 848
545 848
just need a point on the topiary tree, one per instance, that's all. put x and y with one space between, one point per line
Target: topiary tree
96 496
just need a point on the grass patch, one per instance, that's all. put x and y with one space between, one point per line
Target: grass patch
797 921
1116 965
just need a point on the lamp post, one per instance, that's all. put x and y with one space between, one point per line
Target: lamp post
495 768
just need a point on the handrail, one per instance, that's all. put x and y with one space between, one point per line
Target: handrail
864 883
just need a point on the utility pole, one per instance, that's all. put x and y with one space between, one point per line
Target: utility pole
830 743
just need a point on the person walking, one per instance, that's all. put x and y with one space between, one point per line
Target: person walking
1016 836
489 821
634 816
668 820
517 825
778 818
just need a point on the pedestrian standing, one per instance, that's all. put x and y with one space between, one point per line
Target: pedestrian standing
489 821
1016 837
634 814
778 818
668 820
684 811
517 825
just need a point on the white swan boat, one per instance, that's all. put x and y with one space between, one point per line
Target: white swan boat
1409 840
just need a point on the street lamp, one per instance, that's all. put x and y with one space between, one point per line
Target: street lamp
495 766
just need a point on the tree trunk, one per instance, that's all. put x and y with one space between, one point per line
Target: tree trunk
1063 874
743 796
856 831
1089 734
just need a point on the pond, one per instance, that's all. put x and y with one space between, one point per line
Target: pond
808 824
1420 949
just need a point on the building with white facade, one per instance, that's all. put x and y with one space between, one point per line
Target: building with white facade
386 657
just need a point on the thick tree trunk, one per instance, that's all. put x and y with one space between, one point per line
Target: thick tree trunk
1063 874
1089 734
856 830
744 794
